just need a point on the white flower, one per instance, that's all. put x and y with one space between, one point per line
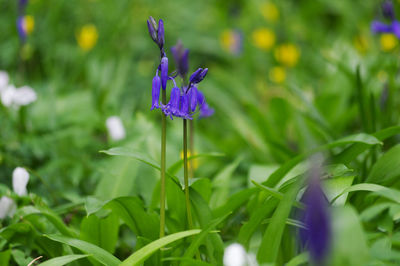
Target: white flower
7 207
10 96
3 80
235 255
7 95
20 178
24 96
115 128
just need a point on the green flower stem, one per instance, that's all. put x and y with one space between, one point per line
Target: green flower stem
186 176
191 148
163 150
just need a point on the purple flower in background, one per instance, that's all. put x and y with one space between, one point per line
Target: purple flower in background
392 27
155 92
181 57
20 20
317 221
205 110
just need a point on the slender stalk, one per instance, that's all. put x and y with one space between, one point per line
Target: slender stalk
163 150
186 176
191 148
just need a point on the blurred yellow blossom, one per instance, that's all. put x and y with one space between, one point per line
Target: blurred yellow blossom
192 162
29 24
277 74
87 37
263 38
388 42
287 54
361 44
270 12
231 41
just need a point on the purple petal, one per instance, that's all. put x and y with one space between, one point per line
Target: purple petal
205 110
388 10
21 28
160 34
194 78
193 98
378 27
396 28
152 31
164 72
155 92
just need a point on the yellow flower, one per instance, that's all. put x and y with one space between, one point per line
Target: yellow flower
264 38
287 54
277 74
29 24
388 42
87 37
361 44
270 12
192 162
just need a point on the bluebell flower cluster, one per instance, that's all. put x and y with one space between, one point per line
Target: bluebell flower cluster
186 100
20 20
393 25
318 232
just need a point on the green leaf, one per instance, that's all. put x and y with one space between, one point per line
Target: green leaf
98 253
382 191
121 151
386 170
274 178
300 259
335 186
173 169
142 254
5 257
234 202
59 261
270 244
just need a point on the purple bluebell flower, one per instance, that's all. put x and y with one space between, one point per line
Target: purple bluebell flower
155 92
388 10
198 75
193 98
160 34
181 56
164 72
392 27
21 28
152 25
318 232
172 108
185 111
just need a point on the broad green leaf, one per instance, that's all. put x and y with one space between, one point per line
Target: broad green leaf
349 243
221 184
142 254
386 170
173 169
300 259
59 261
274 178
259 173
50 216
235 201
98 253
270 244
289 221
5 257
382 191
373 211
121 151
101 231
335 186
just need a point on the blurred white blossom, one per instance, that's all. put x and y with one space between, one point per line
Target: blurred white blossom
3 80
15 97
115 128
20 178
235 255
7 207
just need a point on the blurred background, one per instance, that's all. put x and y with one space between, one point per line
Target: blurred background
281 80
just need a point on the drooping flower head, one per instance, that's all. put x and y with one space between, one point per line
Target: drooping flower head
392 27
184 101
318 233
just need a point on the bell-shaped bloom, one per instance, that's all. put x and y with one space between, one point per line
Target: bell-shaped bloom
115 128
392 27
181 57
20 178
318 233
155 92
160 34
7 207
185 111
164 72
205 110
193 98
172 108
